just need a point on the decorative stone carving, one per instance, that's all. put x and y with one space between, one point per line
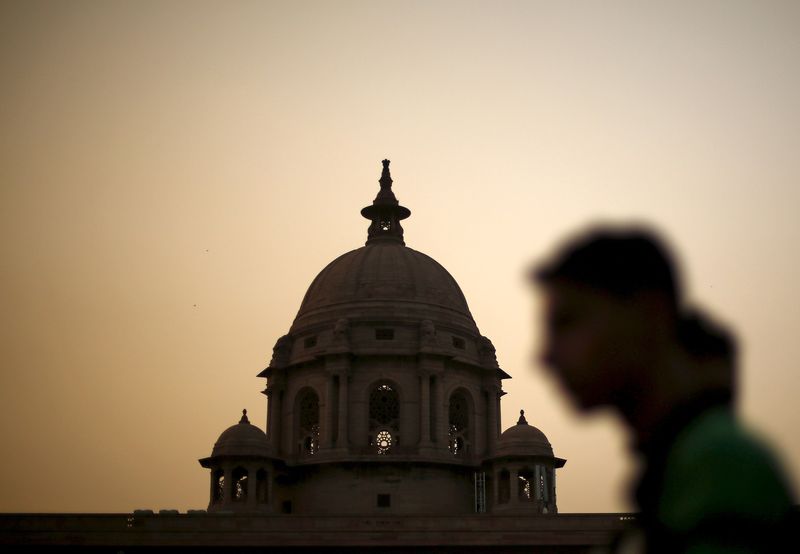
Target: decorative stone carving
427 333
341 332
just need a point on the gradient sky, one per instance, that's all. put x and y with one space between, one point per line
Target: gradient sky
174 174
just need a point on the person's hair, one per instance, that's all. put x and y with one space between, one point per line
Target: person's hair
703 338
715 349
621 261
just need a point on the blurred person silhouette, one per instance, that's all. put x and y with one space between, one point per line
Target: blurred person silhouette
617 334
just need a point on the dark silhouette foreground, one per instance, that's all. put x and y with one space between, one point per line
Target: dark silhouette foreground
618 334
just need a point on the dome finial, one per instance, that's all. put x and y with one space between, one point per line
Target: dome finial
522 420
385 212
244 417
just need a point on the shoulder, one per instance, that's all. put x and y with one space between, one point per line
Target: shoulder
718 471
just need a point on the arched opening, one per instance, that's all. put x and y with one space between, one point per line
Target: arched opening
503 487
308 406
239 489
261 486
218 489
526 485
384 418
458 423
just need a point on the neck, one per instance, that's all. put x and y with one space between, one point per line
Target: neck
666 384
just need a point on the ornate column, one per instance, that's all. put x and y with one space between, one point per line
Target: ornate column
492 423
270 393
327 424
514 496
274 424
227 489
440 417
491 505
337 363
213 487
498 430
252 495
425 410
270 480
342 440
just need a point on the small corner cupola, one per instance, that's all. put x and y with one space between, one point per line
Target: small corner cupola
241 439
385 213
522 420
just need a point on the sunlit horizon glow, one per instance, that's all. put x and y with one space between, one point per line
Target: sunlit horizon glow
174 175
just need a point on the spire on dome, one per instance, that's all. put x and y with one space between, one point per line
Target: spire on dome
385 212
522 420
244 417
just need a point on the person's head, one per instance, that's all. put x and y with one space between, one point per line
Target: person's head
611 304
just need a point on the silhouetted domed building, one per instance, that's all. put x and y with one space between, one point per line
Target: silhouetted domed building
384 398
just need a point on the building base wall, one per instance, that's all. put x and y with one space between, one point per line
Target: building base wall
574 533
377 489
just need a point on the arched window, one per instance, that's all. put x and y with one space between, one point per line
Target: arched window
384 418
239 477
218 492
503 487
309 422
261 486
526 485
458 420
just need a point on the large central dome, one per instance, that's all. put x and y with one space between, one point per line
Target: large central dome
384 280
384 276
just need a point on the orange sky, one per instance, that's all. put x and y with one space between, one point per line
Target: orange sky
174 175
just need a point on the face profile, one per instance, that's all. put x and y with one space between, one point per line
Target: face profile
583 331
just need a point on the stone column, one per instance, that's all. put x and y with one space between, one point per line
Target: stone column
498 424
213 488
270 479
492 424
252 497
425 410
227 490
270 412
274 422
439 413
514 496
491 493
342 437
553 492
327 423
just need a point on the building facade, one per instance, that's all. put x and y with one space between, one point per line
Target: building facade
383 398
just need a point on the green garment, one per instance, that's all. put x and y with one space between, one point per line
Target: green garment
722 489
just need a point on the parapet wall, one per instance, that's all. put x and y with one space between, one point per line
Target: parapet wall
280 533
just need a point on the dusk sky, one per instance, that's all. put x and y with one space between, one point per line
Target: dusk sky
173 175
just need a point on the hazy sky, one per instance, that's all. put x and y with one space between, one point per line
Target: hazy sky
174 175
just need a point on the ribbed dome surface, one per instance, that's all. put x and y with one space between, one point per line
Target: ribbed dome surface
382 273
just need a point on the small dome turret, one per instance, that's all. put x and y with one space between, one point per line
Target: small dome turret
242 439
523 439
